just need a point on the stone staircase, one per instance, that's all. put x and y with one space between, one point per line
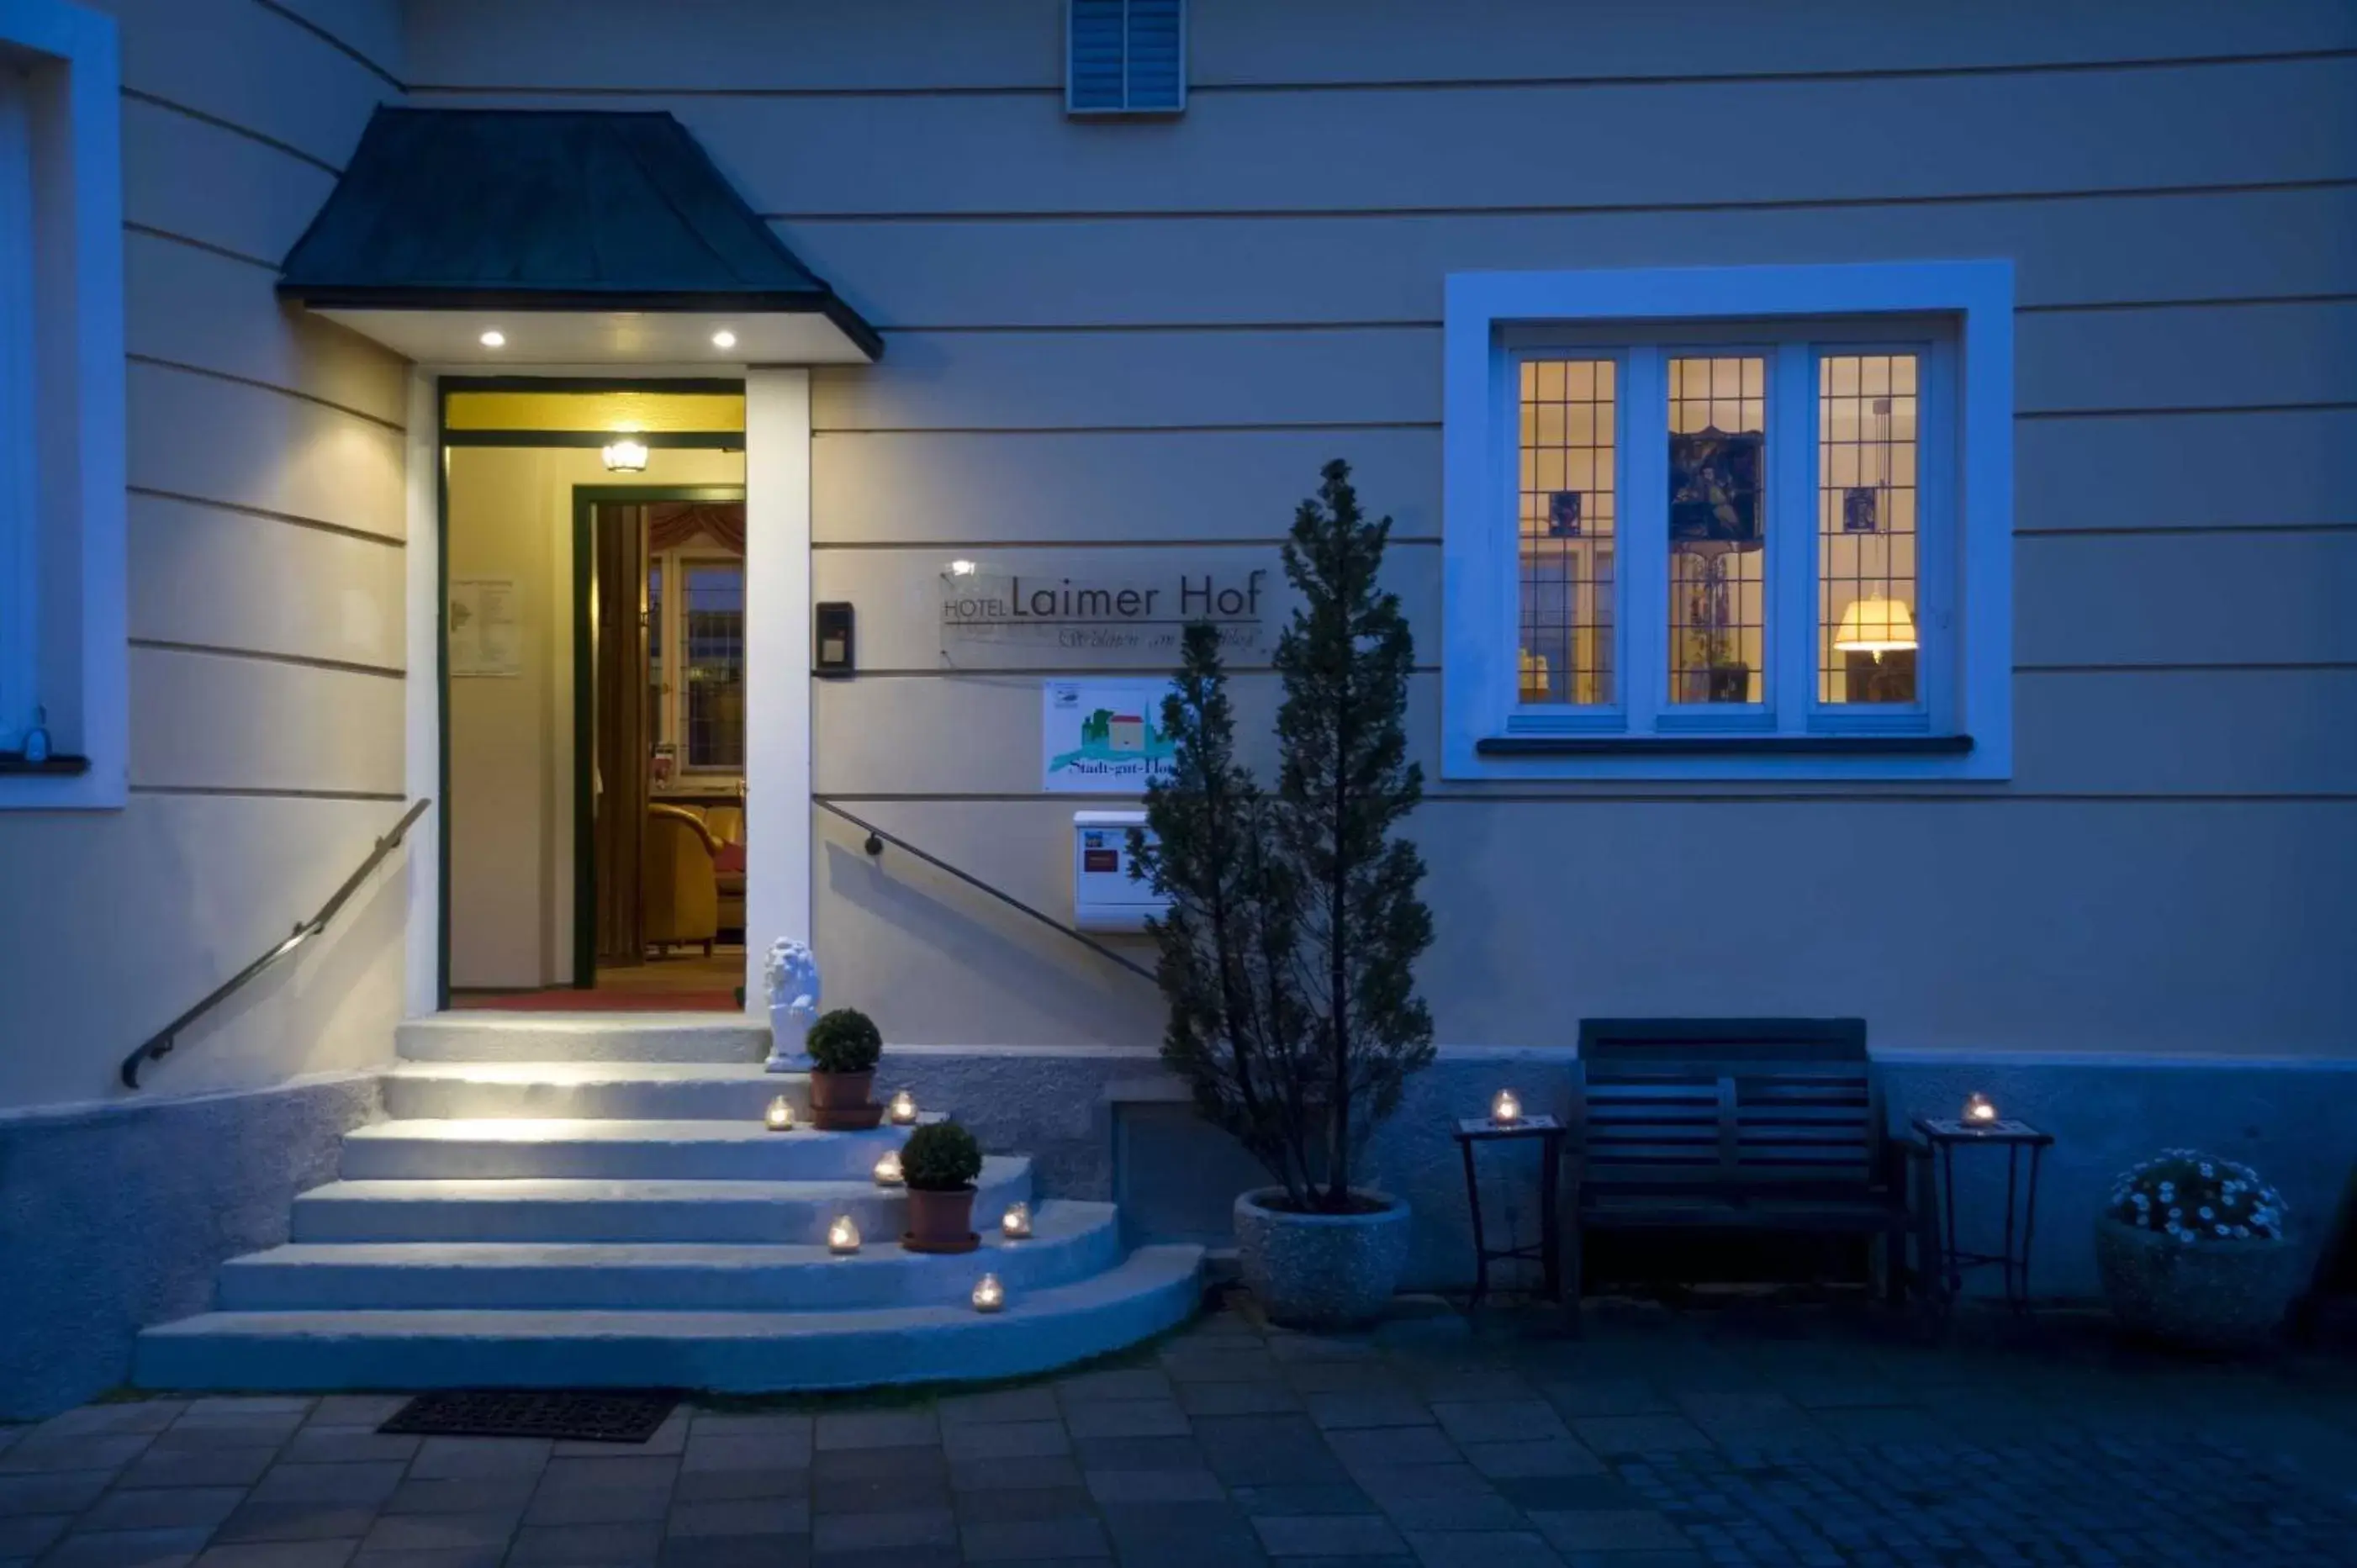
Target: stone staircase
594 1202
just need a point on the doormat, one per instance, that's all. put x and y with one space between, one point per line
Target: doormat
569 1414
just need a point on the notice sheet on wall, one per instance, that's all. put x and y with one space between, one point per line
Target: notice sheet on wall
1101 736
486 637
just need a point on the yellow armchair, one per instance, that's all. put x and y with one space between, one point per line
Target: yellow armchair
681 890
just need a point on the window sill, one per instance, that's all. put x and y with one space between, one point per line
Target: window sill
1724 746
13 766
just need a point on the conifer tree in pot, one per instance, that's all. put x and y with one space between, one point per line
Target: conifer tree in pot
1287 954
939 1164
843 1048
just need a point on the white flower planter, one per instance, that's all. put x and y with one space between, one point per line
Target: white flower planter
1320 1271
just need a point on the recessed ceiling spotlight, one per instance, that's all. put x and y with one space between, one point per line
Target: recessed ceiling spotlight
723 339
494 339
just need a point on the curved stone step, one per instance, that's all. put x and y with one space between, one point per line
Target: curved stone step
1155 1288
493 1037
553 1209
739 1150
1069 1241
670 1091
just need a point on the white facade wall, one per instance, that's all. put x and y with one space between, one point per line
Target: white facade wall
1131 345
265 592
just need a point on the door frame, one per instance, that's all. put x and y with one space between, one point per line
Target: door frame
587 500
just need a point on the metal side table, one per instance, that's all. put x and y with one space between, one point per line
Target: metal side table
1548 1252
1946 1135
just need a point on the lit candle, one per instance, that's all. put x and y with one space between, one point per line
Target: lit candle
1979 1111
1015 1223
888 1169
904 1108
781 1117
1506 1109
843 1235
989 1295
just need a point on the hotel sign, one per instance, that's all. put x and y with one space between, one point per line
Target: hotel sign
1018 620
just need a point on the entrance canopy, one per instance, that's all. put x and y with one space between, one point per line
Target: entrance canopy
494 236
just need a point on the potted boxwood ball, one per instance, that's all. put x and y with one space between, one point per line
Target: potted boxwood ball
938 1162
844 1048
2192 1250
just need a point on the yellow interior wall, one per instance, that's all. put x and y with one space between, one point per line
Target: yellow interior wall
603 412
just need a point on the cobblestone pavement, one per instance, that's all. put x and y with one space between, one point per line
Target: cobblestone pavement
1656 1439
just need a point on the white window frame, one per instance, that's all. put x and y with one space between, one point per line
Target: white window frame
61 410
1957 315
672 719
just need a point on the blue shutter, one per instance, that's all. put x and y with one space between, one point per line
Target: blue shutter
1125 57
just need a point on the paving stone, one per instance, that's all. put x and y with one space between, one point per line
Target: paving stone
989 1504
1302 1499
1612 1529
1137 1453
100 1451
1126 1418
438 1531
1006 1440
1112 1383
883 1532
369 1484
1394 1445
721 1486
1034 1540
136 1416
1328 1535
1376 1407
1500 1420
25 1534
319 1445
599 1505
1639 1434
1548 1456
295 1521
457 1557
877 1429
998 1407
51 1491
162 1509
356 1410
224 1429
469 1494
478 1458
1345 1377
1196 1485
1459 1508
907 1465
173 1548
1267 1450
1015 1474
737 1551
1533 1494
1482 1549
1180 1535
587 1545
668 1439
1607 1396
281 1554
743 1516
1237 1398
200 1467
1198 1363
566 1474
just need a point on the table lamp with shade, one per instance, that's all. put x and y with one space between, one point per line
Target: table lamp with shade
1870 632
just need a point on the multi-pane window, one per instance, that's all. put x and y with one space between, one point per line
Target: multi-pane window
1722 530
696 658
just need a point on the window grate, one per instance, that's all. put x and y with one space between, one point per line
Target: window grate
1125 57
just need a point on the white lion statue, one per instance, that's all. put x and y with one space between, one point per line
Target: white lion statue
789 976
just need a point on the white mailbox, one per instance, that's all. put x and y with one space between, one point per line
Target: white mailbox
1105 897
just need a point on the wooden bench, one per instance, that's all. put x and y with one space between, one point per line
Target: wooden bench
1741 1123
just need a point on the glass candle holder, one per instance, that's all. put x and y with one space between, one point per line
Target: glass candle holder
1015 1223
843 1235
1979 1111
888 1169
903 1109
779 1118
989 1295
1507 1108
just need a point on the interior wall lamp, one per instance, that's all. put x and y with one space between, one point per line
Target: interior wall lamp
626 455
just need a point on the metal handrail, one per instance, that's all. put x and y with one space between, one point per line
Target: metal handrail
878 838
160 1045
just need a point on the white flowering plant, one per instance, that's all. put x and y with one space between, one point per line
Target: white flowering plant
2191 1196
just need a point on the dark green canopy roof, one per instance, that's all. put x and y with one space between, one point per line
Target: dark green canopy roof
465 208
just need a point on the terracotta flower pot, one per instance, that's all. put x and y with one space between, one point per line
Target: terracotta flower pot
941 1221
840 1103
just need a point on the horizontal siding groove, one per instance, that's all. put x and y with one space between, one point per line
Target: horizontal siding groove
1079 672
1738 78
378 420
258 793
235 129
1420 84
2188 667
2328 407
151 233
1549 209
2149 531
1977 795
1263 541
301 660
291 519
347 50
1243 429
1058 671
1420 324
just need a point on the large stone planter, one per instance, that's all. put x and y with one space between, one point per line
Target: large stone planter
2215 1294
1320 1271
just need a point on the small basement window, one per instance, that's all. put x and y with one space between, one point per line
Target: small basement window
1729 523
1125 56
63 660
